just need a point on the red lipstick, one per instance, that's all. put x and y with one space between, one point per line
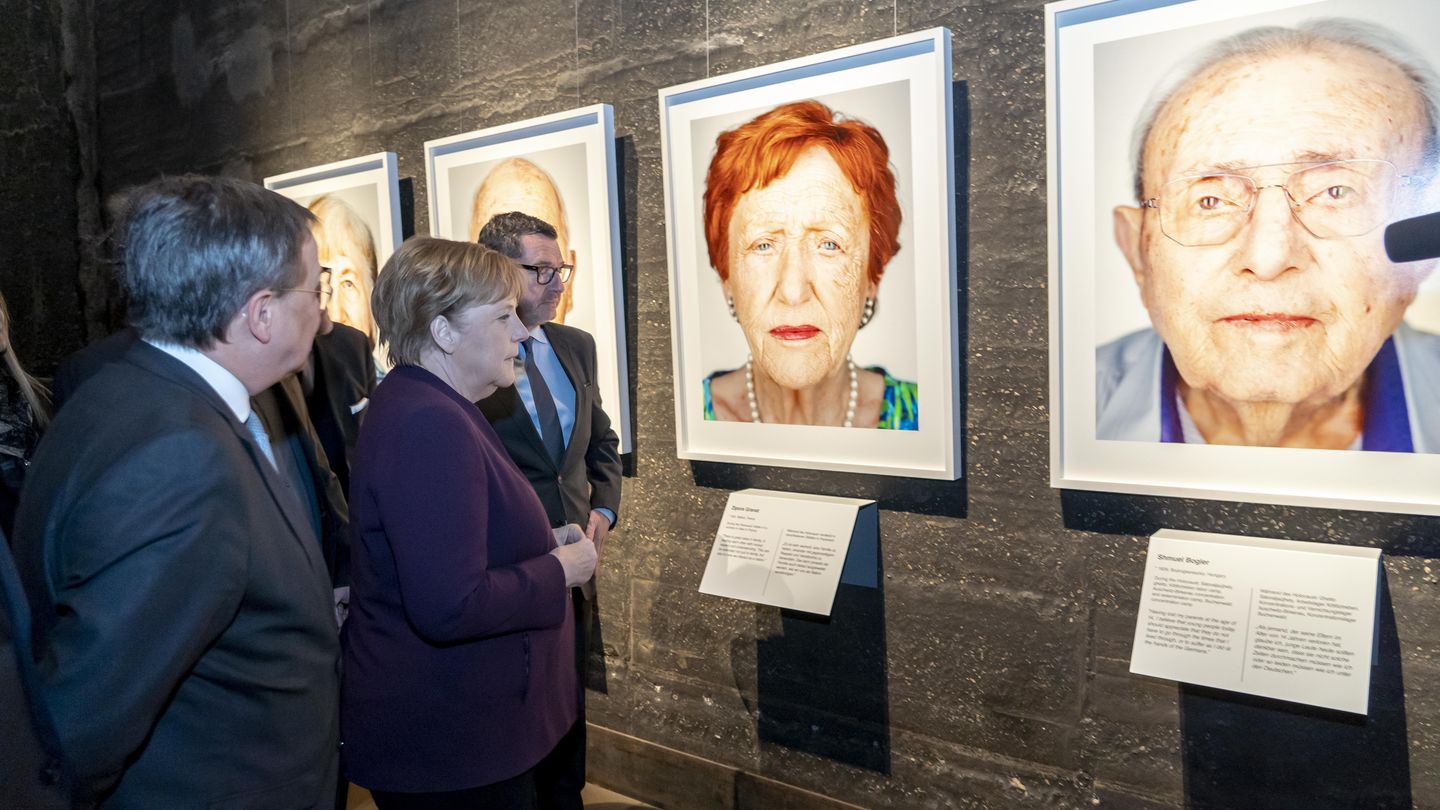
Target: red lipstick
802 332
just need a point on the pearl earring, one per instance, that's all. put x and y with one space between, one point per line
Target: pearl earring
868 313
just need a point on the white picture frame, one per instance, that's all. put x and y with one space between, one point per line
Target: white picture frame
900 86
1103 60
370 187
576 150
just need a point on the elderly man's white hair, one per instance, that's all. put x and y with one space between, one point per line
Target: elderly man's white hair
1266 41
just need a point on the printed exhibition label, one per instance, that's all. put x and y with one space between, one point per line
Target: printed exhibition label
1276 618
782 548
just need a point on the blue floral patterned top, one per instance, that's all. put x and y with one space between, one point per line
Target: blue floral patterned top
901 410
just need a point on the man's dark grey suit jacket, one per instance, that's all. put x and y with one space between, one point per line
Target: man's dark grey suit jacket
182 605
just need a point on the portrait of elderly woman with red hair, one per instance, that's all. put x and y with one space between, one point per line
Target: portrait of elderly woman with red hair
801 218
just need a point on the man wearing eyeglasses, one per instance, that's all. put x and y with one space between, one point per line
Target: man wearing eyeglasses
554 428
184 618
1264 177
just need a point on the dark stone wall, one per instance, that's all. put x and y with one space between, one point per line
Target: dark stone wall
43 123
990 667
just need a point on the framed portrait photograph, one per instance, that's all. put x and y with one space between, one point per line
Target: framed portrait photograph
811 217
1225 320
357 206
560 169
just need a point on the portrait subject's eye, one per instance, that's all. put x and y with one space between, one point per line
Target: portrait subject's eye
1339 194
348 284
1210 202
762 246
830 246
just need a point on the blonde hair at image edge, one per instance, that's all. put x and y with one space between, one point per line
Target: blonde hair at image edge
35 394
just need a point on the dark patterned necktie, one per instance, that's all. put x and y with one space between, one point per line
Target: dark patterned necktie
550 433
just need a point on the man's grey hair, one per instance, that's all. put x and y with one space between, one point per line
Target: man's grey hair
194 249
504 231
1266 41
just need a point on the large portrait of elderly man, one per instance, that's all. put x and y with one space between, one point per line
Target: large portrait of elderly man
1242 296
811 261
560 169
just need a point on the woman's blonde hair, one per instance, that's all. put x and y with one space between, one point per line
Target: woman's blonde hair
428 277
36 395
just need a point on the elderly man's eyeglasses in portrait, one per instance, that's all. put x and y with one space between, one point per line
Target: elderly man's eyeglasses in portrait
1330 199
325 290
543 272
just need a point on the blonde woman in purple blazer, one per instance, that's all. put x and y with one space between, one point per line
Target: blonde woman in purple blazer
459 662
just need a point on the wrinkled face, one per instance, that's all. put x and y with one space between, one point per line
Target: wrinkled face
350 303
539 302
1276 314
298 312
487 339
798 250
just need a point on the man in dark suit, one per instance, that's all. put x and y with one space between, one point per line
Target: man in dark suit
182 608
338 381
554 428
32 768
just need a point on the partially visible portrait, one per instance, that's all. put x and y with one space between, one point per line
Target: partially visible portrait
356 228
812 265
1231 270
559 169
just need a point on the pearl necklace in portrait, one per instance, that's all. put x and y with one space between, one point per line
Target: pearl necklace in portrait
849 406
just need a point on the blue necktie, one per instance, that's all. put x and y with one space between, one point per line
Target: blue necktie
257 432
550 434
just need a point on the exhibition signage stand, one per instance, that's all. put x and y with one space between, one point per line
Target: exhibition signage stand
792 550
1276 618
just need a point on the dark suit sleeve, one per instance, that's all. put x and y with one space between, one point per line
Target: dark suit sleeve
334 514
156 555
602 457
32 772
434 504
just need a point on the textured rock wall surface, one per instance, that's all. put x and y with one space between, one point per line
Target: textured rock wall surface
991 667
39 167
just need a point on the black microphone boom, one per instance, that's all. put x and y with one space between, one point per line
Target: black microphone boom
1411 240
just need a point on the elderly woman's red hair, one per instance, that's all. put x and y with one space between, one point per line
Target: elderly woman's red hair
762 150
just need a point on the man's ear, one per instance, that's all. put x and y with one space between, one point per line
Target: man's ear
442 333
258 312
1128 221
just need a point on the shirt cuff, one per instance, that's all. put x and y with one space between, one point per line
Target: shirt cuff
609 515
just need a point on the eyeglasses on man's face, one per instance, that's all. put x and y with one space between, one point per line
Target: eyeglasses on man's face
324 292
544 272
1331 199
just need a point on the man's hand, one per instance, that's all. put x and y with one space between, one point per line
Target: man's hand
597 530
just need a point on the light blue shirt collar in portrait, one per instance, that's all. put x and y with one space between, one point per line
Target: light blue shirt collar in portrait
555 377
219 378
1130 390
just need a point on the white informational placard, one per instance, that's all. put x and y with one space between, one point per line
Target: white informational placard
1276 618
784 549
